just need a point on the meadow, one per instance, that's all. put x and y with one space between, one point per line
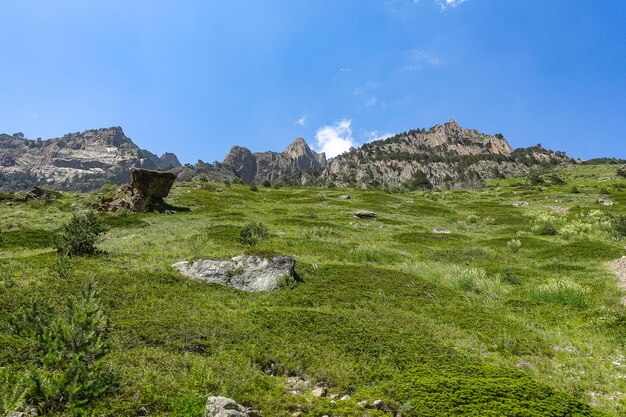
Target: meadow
507 310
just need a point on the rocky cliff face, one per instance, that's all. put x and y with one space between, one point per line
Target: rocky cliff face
444 154
297 164
76 161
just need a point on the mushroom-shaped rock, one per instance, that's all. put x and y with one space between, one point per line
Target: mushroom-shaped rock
151 184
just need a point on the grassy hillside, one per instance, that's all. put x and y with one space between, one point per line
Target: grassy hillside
514 312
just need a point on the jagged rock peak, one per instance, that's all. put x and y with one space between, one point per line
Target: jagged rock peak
452 126
297 147
300 151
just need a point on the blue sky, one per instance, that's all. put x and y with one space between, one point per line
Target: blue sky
196 77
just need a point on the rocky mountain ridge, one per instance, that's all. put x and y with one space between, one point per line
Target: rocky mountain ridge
77 161
295 164
444 155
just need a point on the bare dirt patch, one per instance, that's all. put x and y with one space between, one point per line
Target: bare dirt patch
619 268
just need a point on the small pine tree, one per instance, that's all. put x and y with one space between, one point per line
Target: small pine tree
253 233
68 372
78 237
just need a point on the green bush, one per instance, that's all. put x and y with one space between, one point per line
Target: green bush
622 171
619 224
254 187
266 183
67 371
253 233
78 237
535 179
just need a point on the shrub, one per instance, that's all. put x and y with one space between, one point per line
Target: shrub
536 179
621 171
79 235
574 190
619 225
253 233
266 183
68 372
556 180
254 188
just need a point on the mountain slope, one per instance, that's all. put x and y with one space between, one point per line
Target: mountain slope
444 154
77 161
294 165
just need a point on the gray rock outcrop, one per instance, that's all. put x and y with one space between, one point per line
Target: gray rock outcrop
227 407
365 214
245 272
603 201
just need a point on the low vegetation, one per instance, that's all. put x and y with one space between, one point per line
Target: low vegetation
79 235
503 311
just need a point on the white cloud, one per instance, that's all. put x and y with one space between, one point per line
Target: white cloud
449 3
371 101
301 121
335 139
417 59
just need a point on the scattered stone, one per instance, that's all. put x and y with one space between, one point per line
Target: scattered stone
603 201
523 364
297 414
365 214
319 392
362 403
520 204
30 411
244 272
298 385
334 397
346 197
381 405
226 407
38 193
345 398
439 230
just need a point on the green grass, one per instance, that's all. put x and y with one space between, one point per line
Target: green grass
436 324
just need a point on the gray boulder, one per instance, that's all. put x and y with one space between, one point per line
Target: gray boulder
245 272
605 201
226 407
365 214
